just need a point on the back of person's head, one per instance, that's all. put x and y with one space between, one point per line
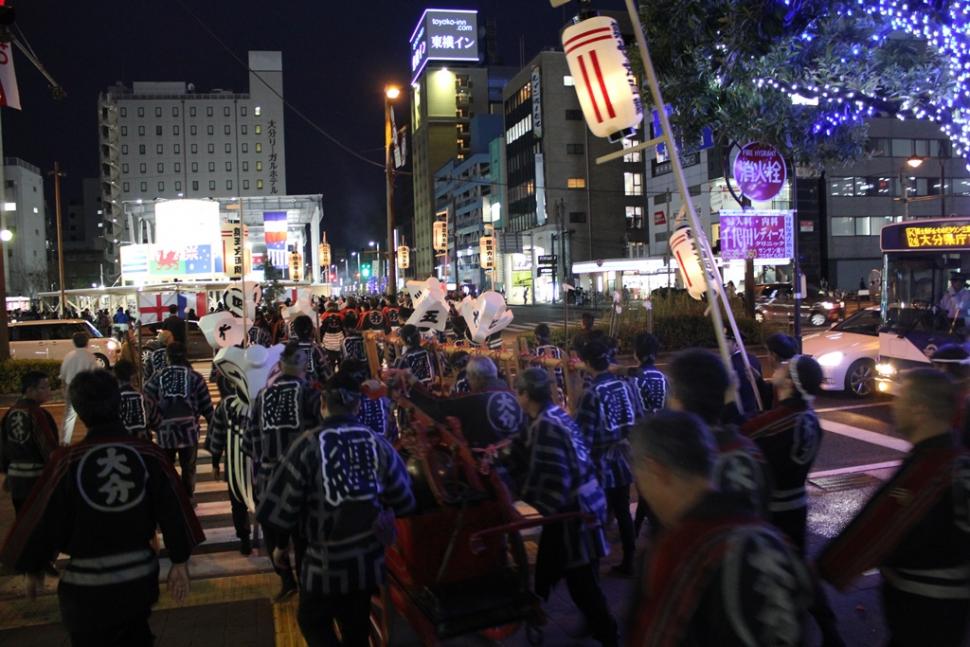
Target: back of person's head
934 390
699 380
534 384
481 369
303 327
95 397
173 309
342 392
677 440
646 346
350 321
410 335
459 360
596 354
124 370
782 345
176 353
31 380
80 339
542 331
357 369
165 337
293 359
806 376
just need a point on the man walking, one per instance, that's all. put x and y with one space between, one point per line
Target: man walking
175 325
78 360
28 436
177 397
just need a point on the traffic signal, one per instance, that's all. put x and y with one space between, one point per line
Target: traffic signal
365 270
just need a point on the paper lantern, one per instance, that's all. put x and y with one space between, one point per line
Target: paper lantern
485 315
486 246
296 266
440 237
684 250
324 253
221 329
603 77
403 257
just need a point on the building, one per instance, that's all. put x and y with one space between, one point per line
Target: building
168 140
560 206
83 228
25 264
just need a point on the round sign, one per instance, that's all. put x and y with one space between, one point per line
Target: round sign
760 171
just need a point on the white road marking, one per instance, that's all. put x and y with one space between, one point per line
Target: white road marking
866 436
852 406
854 469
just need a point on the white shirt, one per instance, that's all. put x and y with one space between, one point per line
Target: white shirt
76 361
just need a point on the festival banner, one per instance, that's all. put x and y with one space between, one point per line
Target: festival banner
274 223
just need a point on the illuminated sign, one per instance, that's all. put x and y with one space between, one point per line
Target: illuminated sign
763 234
188 240
444 35
439 237
234 236
929 235
486 250
403 257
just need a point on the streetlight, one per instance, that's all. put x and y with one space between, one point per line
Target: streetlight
914 162
358 267
391 93
377 274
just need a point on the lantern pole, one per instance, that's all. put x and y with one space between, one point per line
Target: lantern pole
705 256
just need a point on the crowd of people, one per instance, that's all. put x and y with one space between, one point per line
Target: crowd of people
717 543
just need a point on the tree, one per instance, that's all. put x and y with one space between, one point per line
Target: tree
805 75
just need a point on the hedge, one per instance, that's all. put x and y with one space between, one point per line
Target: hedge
12 370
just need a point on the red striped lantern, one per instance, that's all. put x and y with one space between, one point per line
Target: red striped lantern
603 77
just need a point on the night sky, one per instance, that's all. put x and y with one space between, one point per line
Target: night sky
337 57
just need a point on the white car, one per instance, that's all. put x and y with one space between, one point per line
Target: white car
847 353
51 339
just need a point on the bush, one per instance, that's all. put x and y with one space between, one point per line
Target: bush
12 370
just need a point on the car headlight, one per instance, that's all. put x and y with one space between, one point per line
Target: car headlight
831 359
828 305
113 345
885 369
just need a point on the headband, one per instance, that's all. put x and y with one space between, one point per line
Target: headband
793 373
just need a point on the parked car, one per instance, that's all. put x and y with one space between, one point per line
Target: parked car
776 302
51 339
195 343
847 353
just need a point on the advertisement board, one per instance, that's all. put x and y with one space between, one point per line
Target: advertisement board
444 35
766 235
188 239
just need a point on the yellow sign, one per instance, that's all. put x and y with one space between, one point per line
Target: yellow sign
323 251
296 266
403 257
937 236
486 247
440 236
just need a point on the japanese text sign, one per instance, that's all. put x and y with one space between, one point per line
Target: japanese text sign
765 234
759 170
444 35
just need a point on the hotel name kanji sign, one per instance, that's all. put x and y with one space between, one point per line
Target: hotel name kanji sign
444 35
766 235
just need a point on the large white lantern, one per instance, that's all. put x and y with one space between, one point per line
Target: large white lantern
603 77
486 249
684 250
403 257
323 251
440 236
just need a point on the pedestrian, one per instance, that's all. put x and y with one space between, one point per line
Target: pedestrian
583 336
651 386
28 437
224 441
259 333
551 468
732 290
489 413
916 527
458 363
545 349
175 325
154 356
340 487
77 360
281 412
422 364
699 384
607 411
100 502
191 316
132 406
318 368
375 407
719 574
392 314
746 392
176 397
332 331
352 346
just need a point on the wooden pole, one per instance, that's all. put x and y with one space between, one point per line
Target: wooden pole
60 236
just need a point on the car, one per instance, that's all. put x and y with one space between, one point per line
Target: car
51 339
847 353
774 302
196 345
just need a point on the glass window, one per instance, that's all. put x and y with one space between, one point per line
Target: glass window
178 167
178 185
144 187
861 226
259 184
175 111
245 147
194 149
124 168
210 130
175 130
195 167
125 187
634 217
259 165
244 129
211 148
245 166
841 187
192 111
229 185
258 129
26 333
161 186
227 130
158 111
228 166
879 146
257 111
124 112
632 184
124 131
245 185
141 131
195 185
961 186
634 156
143 168
575 149
141 112
141 149
843 226
228 148
161 167
177 149
158 131
124 149
902 147
159 149
576 217
568 81
571 183
212 167
225 111
212 185
193 130
208 111
876 223
243 110
259 148
922 147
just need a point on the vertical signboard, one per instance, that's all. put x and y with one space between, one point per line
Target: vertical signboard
444 35
274 226
234 236
537 102
540 189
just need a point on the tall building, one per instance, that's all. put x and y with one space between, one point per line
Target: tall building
168 140
448 89
559 202
24 215
83 233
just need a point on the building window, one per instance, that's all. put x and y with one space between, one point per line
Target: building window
258 129
144 187
574 115
124 168
211 148
195 185
175 111
227 129
245 185
634 217
212 185
259 184
229 185
843 226
178 185
225 111
161 187
577 217
175 130
125 187
158 111
177 149
192 111
124 112
158 131
257 111
141 131
228 148
259 147
245 147
177 167
243 110
245 166
124 149
568 81
575 149
193 130
159 149
635 155
576 183
244 130
259 166
228 166
194 149
212 167
161 167
124 131
632 184
141 112
195 167
208 111
210 130
141 149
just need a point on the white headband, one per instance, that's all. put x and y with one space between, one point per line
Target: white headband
793 373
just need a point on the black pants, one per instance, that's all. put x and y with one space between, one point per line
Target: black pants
618 500
133 633
794 523
917 621
317 613
645 513
187 457
240 516
274 539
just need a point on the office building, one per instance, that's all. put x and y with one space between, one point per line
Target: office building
25 263
83 233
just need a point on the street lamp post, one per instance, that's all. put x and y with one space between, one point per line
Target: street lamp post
391 93
5 236
914 162
357 282
377 270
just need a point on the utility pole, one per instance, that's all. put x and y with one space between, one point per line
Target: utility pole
390 93
60 235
